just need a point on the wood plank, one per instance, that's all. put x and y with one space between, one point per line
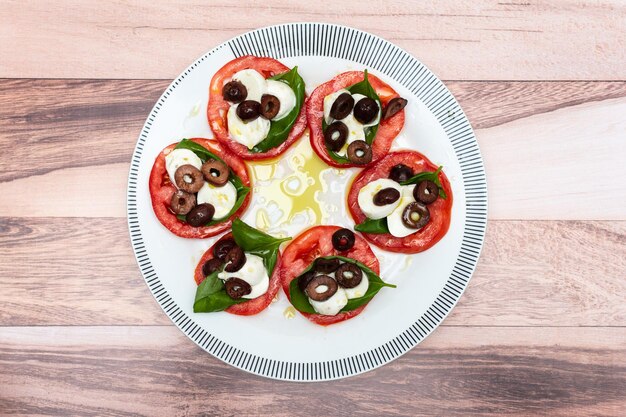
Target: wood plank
530 274
456 371
519 125
484 39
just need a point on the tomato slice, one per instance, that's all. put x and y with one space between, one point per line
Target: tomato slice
316 242
253 306
387 130
218 107
162 189
440 210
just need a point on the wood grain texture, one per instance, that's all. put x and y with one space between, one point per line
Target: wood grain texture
530 273
523 128
483 40
457 371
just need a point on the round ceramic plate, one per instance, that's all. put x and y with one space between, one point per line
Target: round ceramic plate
298 191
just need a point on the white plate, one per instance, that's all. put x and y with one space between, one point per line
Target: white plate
429 284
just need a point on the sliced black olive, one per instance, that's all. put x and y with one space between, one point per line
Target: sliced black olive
188 178
366 110
348 275
201 215
237 288
335 135
235 258
182 202
359 152
393 107
326 266
342 106
415 215
304 279
400 173
386 196
211 266
343 239
215 172
270 106
321 281
222 247
426 192
249 110
234 91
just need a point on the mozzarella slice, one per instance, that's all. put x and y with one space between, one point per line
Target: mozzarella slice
253 81
254 273
247 133
328 103
284 94
333 305
359 290
178 158
222 198
394 220
366 198
355 129
376 120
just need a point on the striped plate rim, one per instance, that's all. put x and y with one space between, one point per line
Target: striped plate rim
322 39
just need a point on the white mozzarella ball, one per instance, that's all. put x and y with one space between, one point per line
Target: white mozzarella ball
333 305
222 198
178 158
249 133
366 198
284 94
253 272
394 220
253 81
359 290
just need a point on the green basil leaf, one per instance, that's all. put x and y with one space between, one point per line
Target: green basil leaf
365 88
211 296
430 176
279 129
301 302
257 243
299 299
203 153
377 226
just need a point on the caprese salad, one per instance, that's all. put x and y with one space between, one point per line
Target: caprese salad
239 273
353 119
403 203
256 107
330 274
197 188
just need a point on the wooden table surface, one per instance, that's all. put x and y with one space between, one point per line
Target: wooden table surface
541 328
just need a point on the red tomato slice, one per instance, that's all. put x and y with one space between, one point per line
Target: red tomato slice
387 130
162 189
316 242
440 210
218 107
253 306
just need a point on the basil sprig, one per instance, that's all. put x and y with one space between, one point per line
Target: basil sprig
430 176
204 155
211 295
379 226
279 129
301 302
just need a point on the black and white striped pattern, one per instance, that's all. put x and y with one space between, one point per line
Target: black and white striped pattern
381 56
